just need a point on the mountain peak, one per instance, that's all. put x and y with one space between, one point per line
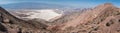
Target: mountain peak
110 4
105 6
102 11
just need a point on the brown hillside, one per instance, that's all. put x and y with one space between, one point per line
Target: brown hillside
11 24
102 19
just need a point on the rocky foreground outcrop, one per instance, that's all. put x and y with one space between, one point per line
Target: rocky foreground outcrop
11 24
101 19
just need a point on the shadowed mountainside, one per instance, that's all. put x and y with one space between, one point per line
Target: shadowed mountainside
11 24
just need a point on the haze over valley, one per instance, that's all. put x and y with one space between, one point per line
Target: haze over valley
59 16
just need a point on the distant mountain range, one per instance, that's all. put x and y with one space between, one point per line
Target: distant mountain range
104 18
31 5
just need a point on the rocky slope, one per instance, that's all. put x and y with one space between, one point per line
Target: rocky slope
11 24
102 19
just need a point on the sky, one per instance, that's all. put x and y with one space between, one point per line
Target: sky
73 3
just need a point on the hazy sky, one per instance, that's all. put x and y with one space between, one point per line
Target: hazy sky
74 3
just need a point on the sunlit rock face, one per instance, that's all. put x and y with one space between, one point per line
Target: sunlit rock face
45 14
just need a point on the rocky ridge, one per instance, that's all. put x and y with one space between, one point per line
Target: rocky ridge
11 24
101 19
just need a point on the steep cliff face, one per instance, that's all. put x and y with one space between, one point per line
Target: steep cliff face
102 19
